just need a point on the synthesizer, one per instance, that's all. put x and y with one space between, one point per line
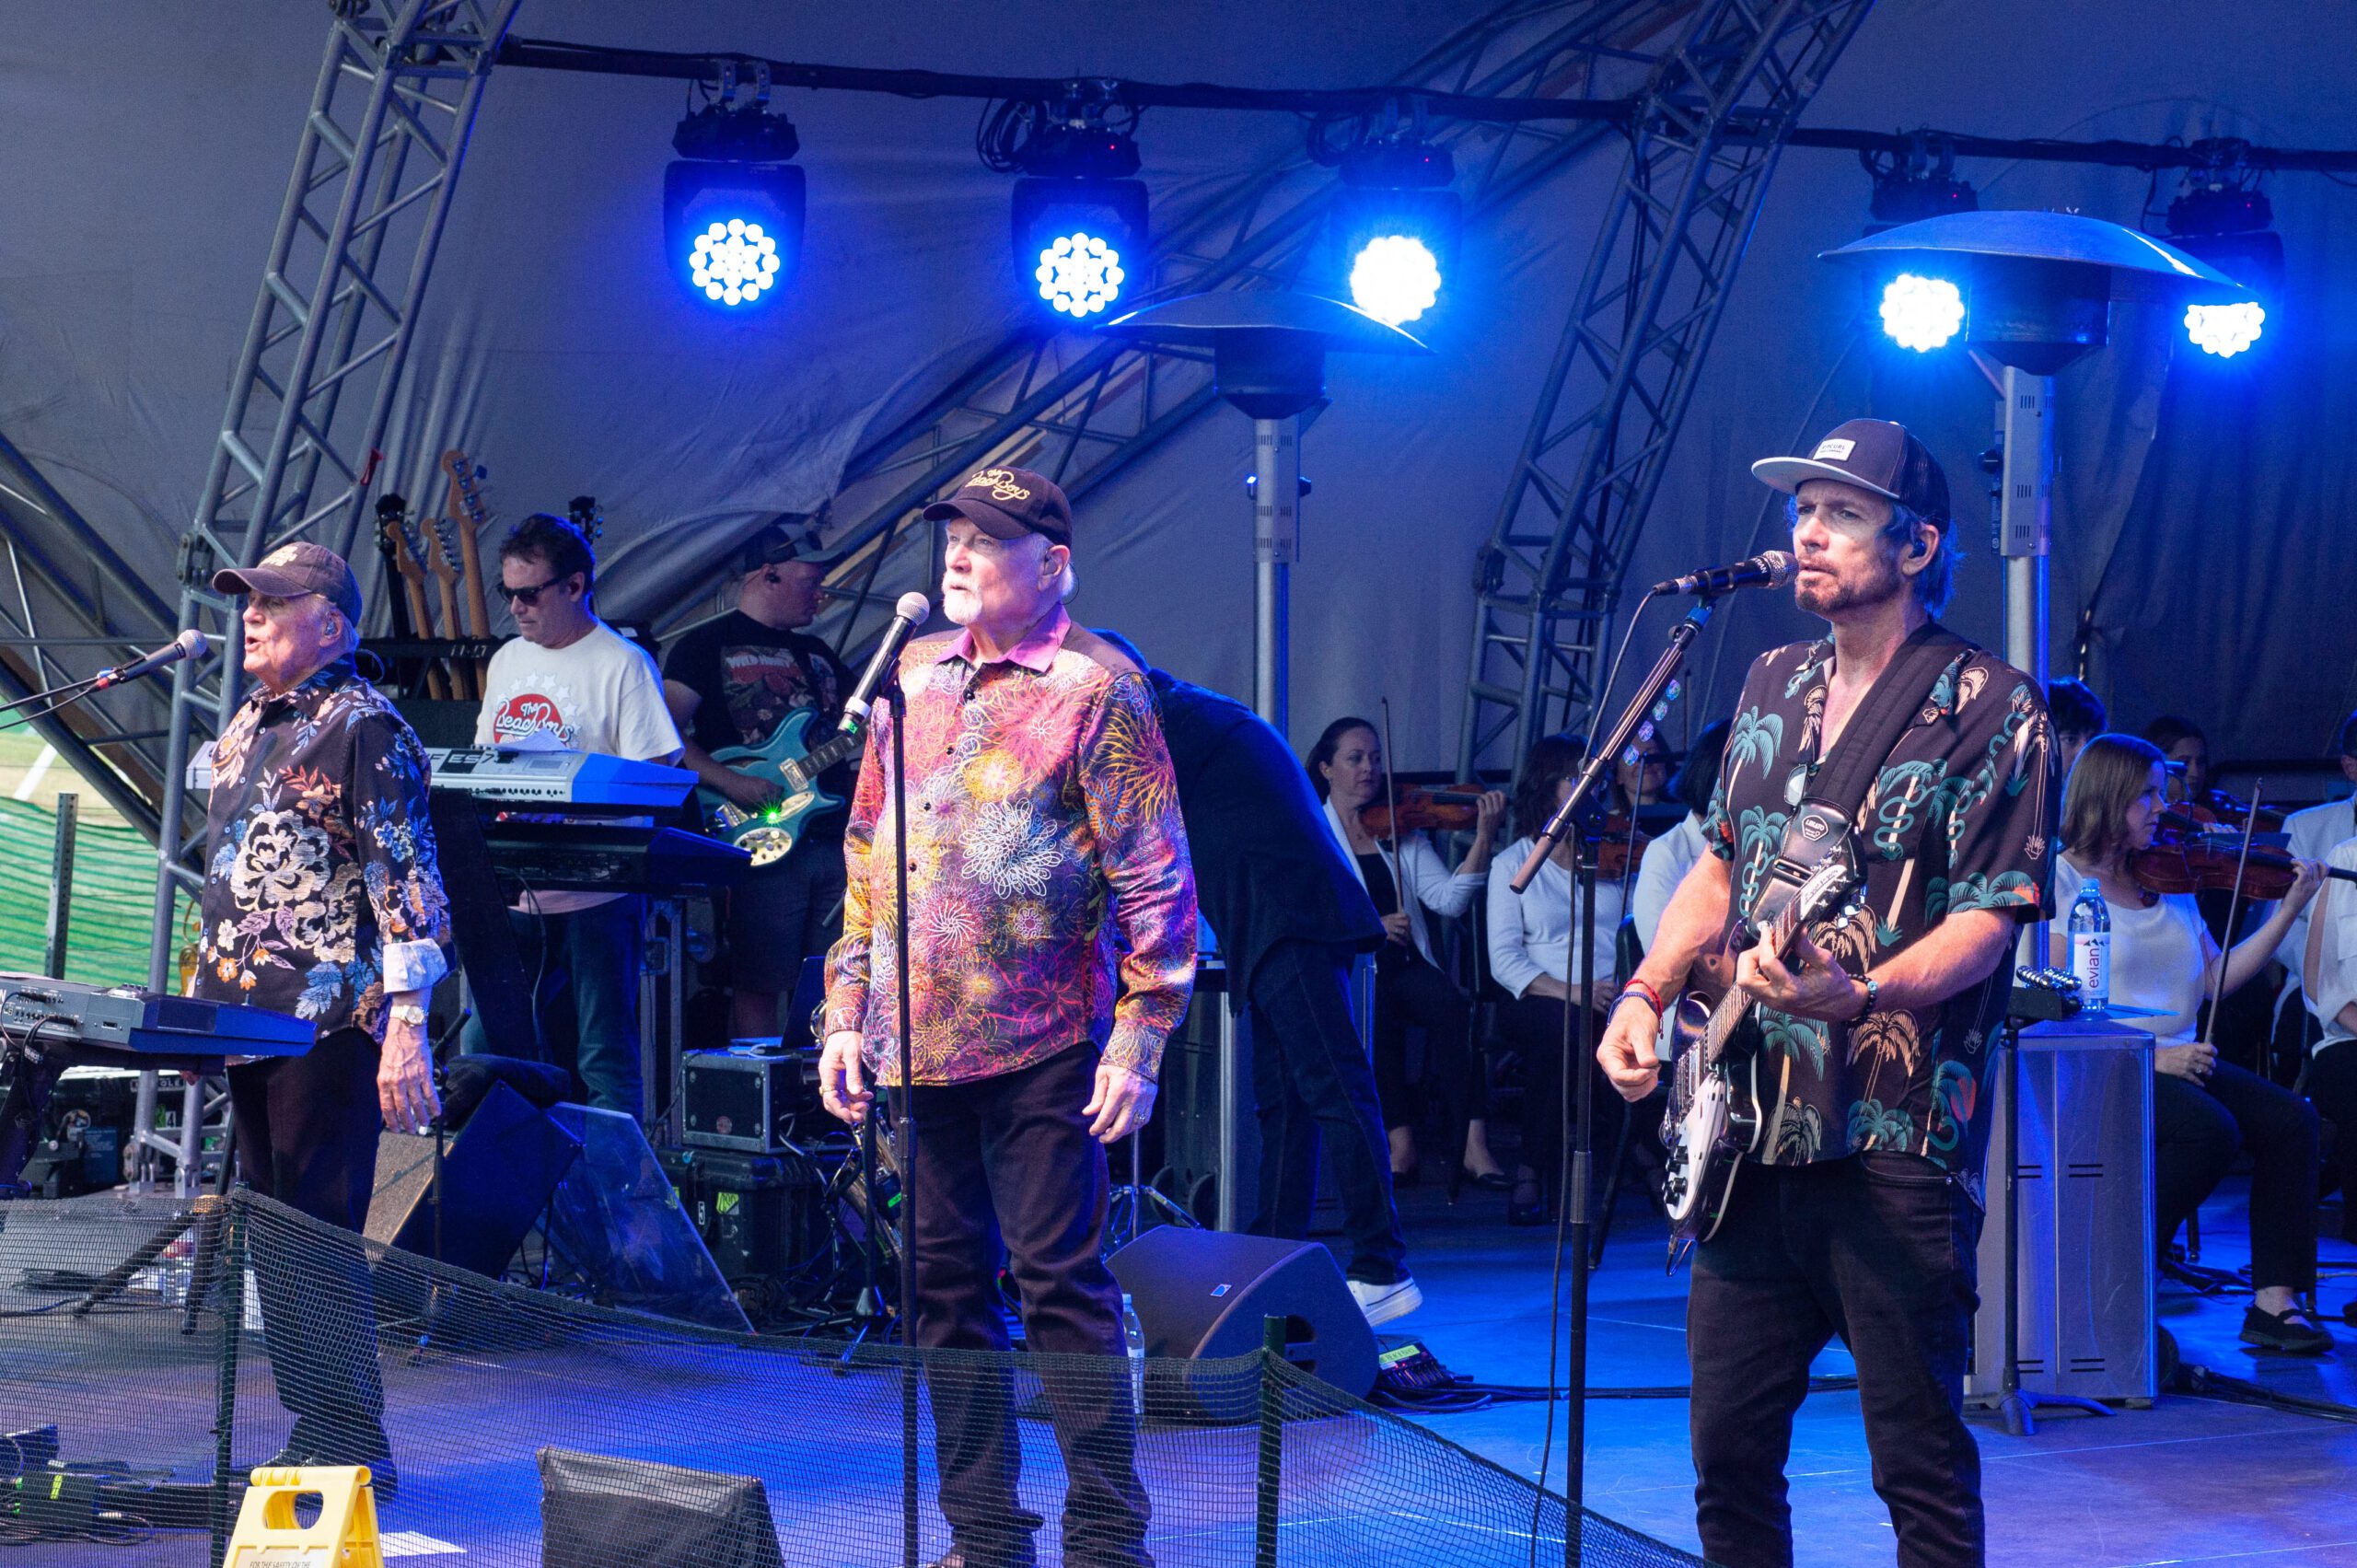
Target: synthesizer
579 856
502 775
134 1019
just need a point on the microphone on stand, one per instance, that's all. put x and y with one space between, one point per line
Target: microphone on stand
190 643
910 613
1769 569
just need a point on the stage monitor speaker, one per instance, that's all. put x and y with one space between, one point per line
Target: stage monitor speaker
600 1512
1203 1294
498 1172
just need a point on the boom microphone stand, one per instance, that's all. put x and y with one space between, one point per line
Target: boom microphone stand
1577 1032
904 1138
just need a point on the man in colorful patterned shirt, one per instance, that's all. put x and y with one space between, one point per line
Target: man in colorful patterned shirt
1053 950
322 899
1860 1214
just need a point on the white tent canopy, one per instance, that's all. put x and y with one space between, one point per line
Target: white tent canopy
151 143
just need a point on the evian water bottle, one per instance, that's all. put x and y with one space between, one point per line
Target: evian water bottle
2091 946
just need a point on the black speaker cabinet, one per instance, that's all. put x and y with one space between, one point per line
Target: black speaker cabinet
600 1512
1203 1294
497 1173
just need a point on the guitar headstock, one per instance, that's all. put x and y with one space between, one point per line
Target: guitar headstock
412 558
587 517
448 563
466 478
392 512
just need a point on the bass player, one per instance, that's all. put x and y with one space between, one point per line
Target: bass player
1858 1212
736 681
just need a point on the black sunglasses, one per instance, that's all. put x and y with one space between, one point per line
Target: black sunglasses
530 596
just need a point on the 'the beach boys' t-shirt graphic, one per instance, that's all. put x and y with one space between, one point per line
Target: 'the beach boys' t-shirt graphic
529 713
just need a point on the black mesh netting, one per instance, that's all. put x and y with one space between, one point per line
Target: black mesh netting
527 1428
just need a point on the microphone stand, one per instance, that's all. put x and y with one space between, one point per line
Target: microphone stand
1579 1046
903 1103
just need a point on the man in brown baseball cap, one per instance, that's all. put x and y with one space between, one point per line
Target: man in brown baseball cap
1867 466
1008 504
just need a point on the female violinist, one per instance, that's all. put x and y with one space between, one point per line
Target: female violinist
1346 767
1530 952
2204 1111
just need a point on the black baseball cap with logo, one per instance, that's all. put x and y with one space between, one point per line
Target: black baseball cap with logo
294 570
1008 504
1875 455
775 543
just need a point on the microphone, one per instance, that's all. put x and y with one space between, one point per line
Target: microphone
909 614
190 643
1769 569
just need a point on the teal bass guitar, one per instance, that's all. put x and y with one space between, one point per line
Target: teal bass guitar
788 761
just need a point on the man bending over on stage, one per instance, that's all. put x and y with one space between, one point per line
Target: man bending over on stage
593 690
1860 1213
1051 912
322 899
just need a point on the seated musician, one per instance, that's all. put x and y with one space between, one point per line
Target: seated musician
736 681
1530 958
322 899
2328 981
2204 1111
2078 717
1672 853
571 674
1346 770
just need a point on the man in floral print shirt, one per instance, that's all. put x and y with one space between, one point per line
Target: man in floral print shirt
1052 913
322 899
1860 1214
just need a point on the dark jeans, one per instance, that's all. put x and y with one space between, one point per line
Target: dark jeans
1879 1250
1006 1169
2332 1089
2197 1130
584 968
307 1130
1413 993
1312 1079
782 914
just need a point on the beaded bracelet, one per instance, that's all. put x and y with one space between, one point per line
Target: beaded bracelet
1639 988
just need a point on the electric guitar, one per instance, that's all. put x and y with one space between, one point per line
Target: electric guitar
787 760
1717 1114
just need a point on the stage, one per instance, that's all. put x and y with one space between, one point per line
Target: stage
2189 1481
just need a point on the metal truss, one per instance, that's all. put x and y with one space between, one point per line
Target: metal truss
1082 409
1710 125
374 174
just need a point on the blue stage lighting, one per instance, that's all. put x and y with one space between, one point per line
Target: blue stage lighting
1395 278
1080 273
1079 240
734 231
2224 330
1922 313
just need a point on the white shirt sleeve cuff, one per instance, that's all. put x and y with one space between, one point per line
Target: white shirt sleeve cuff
413 966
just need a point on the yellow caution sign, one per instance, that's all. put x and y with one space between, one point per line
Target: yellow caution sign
344 1536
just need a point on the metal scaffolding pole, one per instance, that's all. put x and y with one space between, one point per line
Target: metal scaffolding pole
375 171
1710 124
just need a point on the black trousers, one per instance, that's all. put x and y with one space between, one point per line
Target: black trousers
1533 1026
307 1130
2332 1089
1313 1083
1412 993
2198 1128
1006 1169
1877 1248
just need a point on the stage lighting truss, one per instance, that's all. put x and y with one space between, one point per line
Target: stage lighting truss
1395 227
1080 219
1919 183
2223 217
1922 313
733 206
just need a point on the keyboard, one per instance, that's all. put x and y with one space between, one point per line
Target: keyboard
609 858
105 1024
590 779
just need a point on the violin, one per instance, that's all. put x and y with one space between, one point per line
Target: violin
2234 812
1616 843
2183 858
1442 809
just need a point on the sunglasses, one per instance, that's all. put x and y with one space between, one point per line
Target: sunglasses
530 596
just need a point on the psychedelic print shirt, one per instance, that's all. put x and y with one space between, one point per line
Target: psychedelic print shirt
1962 816
321 891
1051 899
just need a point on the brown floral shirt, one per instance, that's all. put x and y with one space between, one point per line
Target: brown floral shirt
321 892
1961 816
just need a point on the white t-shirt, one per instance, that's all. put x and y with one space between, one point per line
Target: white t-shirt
2157 954
600 694
2333 985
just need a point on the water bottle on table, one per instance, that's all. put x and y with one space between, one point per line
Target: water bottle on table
2091 948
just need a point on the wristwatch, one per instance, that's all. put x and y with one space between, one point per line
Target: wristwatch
409 1013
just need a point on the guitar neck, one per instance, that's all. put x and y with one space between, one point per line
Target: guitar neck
799 773
1734 1005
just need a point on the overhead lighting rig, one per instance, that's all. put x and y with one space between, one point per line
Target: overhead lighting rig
1395 223
733 205
1080 217
2225 219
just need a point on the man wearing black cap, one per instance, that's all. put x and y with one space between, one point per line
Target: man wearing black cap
1050 951
322 899
1859 1212
735 681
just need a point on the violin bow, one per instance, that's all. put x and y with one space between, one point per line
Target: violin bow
1391 801
2234 913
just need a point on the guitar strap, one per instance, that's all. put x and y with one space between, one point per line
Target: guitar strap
1824 815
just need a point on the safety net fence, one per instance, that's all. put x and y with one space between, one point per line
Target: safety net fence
153 1353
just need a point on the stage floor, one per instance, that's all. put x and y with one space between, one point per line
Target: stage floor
2190 1480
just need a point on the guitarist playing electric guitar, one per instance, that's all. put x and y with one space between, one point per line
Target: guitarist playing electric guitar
1855 1208
754 695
